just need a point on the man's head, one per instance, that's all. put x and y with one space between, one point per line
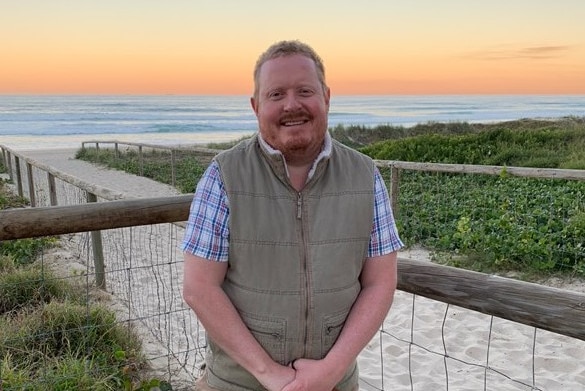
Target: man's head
287 48
291 100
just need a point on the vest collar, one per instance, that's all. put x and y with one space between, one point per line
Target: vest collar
275 156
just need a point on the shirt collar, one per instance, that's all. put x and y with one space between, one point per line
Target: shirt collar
324 154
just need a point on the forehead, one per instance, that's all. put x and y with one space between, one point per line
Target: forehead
284 70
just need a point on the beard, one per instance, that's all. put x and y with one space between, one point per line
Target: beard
299 136
298 147
302 149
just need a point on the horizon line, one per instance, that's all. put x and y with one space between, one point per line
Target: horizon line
249 95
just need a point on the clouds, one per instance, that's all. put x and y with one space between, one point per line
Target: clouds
508 52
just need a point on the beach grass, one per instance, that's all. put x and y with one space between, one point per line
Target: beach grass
156 164
523 143
53 337
496 224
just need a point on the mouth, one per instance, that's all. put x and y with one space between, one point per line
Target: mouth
294 122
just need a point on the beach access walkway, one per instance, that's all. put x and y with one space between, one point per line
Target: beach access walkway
119 181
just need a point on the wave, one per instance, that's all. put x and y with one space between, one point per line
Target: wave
94 115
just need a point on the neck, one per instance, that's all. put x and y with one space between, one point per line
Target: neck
298 175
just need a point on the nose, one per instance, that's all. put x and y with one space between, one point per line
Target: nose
291 102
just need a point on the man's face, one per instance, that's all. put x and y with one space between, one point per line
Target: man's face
292 107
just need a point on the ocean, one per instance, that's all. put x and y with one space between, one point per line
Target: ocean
46 122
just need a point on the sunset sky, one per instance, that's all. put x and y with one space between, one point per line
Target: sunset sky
369 46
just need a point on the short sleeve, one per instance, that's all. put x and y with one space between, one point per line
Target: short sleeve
207 231
384 238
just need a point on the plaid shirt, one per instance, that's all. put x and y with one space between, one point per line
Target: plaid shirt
207 232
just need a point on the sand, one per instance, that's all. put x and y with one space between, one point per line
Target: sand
520 357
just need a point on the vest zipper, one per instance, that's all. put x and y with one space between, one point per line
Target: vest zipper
307 275
299 206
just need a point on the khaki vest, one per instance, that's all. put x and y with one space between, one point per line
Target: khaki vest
294 258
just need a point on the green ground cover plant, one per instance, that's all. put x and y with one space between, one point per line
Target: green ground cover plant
480 222
156 165
52 336
495 223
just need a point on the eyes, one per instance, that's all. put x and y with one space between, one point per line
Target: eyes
278 94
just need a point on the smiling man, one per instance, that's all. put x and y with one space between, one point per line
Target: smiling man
290 248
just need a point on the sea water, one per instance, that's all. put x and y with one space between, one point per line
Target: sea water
45 122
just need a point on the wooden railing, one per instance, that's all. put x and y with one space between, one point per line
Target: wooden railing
552 309
173 150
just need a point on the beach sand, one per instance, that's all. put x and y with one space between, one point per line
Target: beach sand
73 141
425 345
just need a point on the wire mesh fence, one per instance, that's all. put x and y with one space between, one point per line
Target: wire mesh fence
424 344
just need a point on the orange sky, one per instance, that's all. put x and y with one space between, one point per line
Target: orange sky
369 46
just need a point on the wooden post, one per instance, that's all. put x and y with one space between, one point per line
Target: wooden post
394 189
18 177
31 185
52 189
141 159
98 252
173 167
116 151
10 173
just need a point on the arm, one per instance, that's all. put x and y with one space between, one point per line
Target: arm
203 293
378 280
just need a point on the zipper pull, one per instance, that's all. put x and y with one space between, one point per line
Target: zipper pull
299 206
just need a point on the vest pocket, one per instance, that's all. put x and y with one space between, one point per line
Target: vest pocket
332 326
270 333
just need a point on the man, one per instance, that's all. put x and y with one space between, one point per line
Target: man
290 249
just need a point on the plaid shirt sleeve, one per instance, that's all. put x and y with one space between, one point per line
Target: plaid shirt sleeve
207 232
384 238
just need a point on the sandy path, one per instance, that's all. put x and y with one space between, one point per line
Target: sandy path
513 348
133 185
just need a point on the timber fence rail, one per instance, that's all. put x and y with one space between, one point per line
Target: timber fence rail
547 308
142 148
141 240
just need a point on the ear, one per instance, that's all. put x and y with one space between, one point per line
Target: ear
327 94
254 104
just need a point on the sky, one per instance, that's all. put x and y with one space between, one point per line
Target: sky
370 47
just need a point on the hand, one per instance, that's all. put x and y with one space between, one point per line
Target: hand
312 375
277 377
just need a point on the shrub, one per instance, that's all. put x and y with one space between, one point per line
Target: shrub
25 251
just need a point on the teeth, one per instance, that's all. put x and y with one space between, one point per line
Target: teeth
294 123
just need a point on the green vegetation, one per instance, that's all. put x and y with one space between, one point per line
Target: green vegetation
9 199
417 143
156 165
53 340
480 222
496 224
493 223
25 251
51 336
542 144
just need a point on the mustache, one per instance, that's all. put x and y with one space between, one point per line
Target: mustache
299 115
